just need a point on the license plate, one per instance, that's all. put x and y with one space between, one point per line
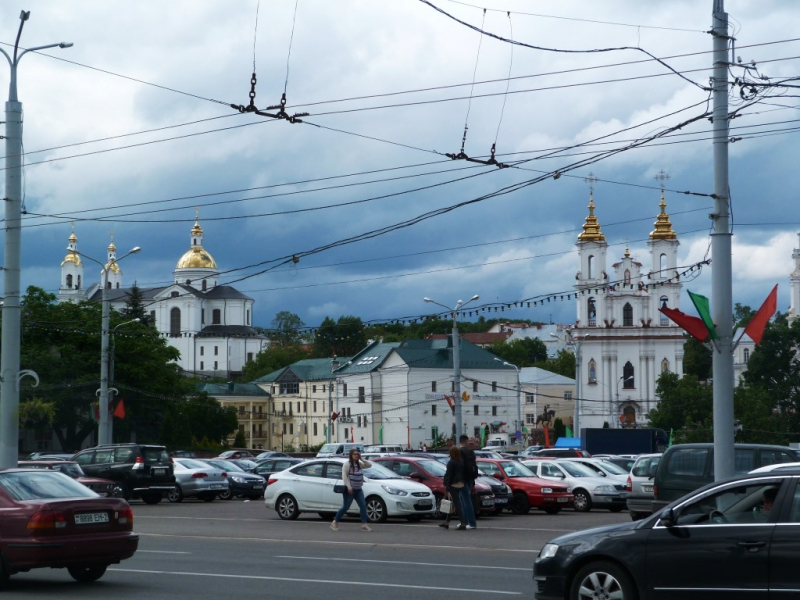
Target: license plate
217 486
91 518
159 470
501 500
487 503
647 488
258 487
425 503
562 500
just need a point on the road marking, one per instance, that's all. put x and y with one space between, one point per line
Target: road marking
400 562
493 592
161 552
335 543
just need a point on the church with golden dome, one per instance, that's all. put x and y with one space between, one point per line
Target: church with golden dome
623 343
210 324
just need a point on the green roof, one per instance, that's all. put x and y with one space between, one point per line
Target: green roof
438 354
231 389
368 359
309 369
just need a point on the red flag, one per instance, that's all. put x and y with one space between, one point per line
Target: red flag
352 437
334 416
755 328
119 412
449 402
692 325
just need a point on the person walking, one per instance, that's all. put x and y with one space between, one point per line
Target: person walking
353 479
454 482
470 475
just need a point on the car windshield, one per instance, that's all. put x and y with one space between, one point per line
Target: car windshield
42 485
434 467
376 471
226 465
328 448
71 469
191 464
246 463
577 470
516 469
612 468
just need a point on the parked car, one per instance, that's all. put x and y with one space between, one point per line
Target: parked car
52 521
49 456
275 465
686 467
183 454
140 470
383 449
501 492
624 462
603 468
640 486
308 487
101 487
431 472
197 479
229 454
717 542
242 483
270 454
245 464
559 453
340 449
530 449
528 491
590 491
488 454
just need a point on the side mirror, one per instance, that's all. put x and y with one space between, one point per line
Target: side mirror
415 476
498 476
559 475
667 517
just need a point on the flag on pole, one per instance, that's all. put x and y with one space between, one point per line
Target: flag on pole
119 411
670 438
380 435
450 402
692 325
704 310
568 432
755 328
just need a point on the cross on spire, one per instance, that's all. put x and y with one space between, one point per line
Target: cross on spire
590 180
662 177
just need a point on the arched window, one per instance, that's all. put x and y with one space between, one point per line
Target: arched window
627 315
663 320
216 317
205 285
746 354
590 267
629 413
592 371
108 285
662 264
175 322
69 281
626 277
174 295
77 287
118 285
665 366
591 309
627 376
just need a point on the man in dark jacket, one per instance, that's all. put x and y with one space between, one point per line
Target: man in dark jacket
470 475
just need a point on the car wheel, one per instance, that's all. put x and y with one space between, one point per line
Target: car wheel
552 510
226 495
5 572
208 497
583 502
499 509
176 495
255 496
125 490
287 508
520 505
414 518
376 510
615 509
87 574
151 499
635 516
117 491
602 580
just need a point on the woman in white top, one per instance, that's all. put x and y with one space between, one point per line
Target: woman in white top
353 478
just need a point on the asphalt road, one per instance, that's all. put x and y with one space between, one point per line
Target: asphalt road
239 549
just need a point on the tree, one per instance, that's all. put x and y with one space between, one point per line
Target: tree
272 359
344 337
697 360
286 329
563 364
685 407
134 305
240 441
524 352
200 417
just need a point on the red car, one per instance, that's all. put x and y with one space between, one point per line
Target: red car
102 487
430 472
51 521
231 454
528 491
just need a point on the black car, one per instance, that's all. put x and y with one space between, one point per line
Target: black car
241 482
140 470
502 493
559 453
275 465
731 539
270 454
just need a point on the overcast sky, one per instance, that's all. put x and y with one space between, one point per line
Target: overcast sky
133 129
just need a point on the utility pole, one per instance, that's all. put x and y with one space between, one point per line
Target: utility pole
721 272
334 366
10 350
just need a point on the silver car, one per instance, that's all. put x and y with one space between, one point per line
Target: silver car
640 486
590 490
196 479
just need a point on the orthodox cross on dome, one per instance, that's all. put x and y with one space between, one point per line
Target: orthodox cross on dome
662 177
590 180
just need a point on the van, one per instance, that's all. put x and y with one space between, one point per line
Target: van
685 467
338 450
383 450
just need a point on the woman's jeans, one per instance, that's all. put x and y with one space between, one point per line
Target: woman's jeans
358 496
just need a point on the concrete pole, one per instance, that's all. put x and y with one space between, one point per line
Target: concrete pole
576 419
457 377
102 425
721 272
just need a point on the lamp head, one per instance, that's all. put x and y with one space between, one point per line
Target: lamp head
66 45
25 15
475 297
136 250
427 300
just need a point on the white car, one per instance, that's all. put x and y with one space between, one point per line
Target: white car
603 468
308 487
590 491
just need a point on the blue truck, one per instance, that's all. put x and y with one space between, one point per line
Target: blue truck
623 441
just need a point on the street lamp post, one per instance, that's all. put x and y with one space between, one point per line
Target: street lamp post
111 372
576 344
334 366
518 428
619 381
103 427
10 349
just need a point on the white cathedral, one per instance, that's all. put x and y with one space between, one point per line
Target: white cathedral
622 342
210 324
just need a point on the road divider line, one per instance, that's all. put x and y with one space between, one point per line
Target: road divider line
401 562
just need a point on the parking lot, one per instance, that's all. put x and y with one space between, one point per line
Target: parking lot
241 549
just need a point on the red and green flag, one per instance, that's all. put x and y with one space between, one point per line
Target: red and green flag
704 310
755 328
692 325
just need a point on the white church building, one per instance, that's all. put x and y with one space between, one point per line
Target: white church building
209 323
622 342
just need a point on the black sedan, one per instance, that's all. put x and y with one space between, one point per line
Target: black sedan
275 465
731 539
241 482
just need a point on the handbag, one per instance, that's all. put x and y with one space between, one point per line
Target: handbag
446 507
339 488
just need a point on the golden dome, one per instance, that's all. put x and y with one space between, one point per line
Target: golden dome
73 238
112 247
663 230
196 258
591 228
73 258
114 268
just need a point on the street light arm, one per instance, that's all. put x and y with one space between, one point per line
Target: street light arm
45 47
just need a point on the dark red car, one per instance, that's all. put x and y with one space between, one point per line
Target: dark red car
430 472
231 454
528 491
102 487
49 520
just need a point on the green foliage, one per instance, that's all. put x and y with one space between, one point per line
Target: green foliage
35 413
684 404
240 441
199 417
563 364
525 352
272 359
742 315
697 360
134 306
559 429
344 337
286 329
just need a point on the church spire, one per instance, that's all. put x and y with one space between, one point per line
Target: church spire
663 230
591 228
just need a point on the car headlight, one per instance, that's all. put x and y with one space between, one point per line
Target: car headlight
548 551
238 479
506 489
394 491
605 488
547 490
